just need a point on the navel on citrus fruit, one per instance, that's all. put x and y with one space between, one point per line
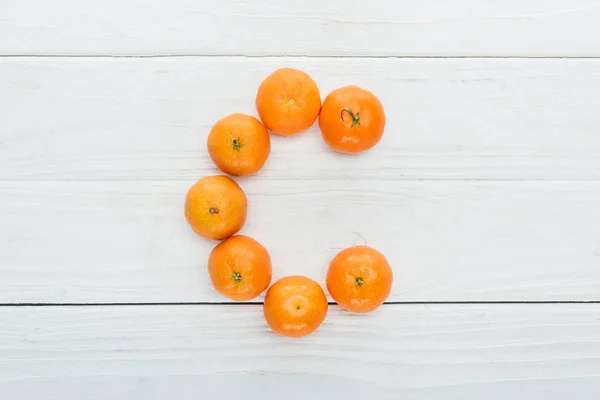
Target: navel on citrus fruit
288 101
351 120
359 279
295 306
239 268
239 144
215 207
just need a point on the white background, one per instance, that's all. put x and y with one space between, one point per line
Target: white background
484 194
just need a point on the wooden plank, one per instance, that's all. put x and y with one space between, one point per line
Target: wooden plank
127 241
91 119
447 352
311 27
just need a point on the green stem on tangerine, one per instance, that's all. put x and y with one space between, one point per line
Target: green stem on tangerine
359 281
237 276
355 117
236 144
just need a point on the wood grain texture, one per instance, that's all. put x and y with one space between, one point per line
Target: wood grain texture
124 119
448 352
447 241
486 187
311 27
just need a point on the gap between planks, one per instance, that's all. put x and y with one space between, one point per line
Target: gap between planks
232 303
303 179
521 57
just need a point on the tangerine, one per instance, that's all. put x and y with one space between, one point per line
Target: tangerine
239 144
352 120
288 101
295 306
216 207
240 268
359 279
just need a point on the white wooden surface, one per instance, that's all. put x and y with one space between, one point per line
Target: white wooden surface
147 119
485 188
221 352
108 148
126 241
532 28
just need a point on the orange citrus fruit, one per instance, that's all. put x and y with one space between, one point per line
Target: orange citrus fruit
239 144
359 279
351 120
295 306
216 207
288 101
239 268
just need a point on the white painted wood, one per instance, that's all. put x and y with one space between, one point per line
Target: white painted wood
448 352
447 241
486 187
92 119
310 27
